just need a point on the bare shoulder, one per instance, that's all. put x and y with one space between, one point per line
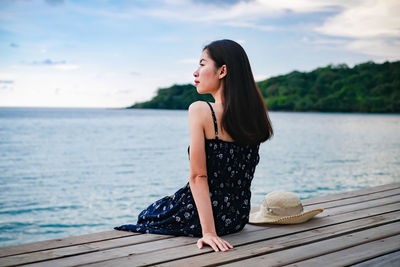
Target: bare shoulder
198 113
198 107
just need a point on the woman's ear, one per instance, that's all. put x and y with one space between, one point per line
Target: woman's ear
222 71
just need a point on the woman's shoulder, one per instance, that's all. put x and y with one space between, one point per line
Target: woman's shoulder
199 113
198 107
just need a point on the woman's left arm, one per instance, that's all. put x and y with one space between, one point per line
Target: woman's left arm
198 179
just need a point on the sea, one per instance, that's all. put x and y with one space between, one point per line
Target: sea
74 171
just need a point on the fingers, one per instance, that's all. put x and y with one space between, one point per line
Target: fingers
214 246
216 243
200 243
208 242
221 244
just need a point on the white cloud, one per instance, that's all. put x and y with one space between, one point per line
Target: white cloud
260 77
125 91
370 27
7 76
241 14
66 67
300 6
243 24
6 81
387 49
365 26
134 73
369 18
58 65
321 41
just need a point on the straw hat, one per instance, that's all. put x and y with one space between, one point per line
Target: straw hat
282 208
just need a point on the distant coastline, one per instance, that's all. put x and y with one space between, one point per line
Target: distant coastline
367 87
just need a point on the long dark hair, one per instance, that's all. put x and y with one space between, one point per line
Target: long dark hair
245 115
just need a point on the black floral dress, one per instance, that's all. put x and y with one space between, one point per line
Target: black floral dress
230 170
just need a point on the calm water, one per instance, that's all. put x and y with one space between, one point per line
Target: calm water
67 172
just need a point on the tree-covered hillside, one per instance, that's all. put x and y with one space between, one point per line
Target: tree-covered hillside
174 97
367 87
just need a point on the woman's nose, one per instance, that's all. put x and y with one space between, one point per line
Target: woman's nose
195 74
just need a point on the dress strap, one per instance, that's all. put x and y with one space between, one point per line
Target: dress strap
215 120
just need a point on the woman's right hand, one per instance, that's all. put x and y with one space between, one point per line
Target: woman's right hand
214 241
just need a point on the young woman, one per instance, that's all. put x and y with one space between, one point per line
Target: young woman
223 153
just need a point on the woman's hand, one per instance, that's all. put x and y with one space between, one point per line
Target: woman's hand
214 241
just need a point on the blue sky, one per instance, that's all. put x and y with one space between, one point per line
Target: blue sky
65 53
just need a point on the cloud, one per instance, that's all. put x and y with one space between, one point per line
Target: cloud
59 65
6 88
54 2
218 2
365 26
240 12
48 62
6 82
388 49
260 77
125 92
368 18
369 27
66 67
323 41
265 28
6 85
134 73
14 45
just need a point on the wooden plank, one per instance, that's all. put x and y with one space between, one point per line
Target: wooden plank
360 206
370 196
288 241
80 249
238 240
356 254
350 194
58 243
242 237
113 253
388 260
304 252
349 201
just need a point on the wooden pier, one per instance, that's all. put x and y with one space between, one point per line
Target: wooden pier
360 228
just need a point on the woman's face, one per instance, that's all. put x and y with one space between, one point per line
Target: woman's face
206 76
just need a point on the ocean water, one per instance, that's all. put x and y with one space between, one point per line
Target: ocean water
66 172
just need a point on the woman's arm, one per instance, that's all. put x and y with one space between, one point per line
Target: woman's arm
198 179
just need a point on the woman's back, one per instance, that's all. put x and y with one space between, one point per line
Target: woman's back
230 170
209 126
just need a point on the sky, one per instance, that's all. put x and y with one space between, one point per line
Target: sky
104 53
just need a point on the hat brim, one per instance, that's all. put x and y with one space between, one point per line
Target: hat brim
255 218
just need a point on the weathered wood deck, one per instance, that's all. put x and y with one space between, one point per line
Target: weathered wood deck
360 227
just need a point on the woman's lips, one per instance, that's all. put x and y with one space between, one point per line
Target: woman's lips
196 82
